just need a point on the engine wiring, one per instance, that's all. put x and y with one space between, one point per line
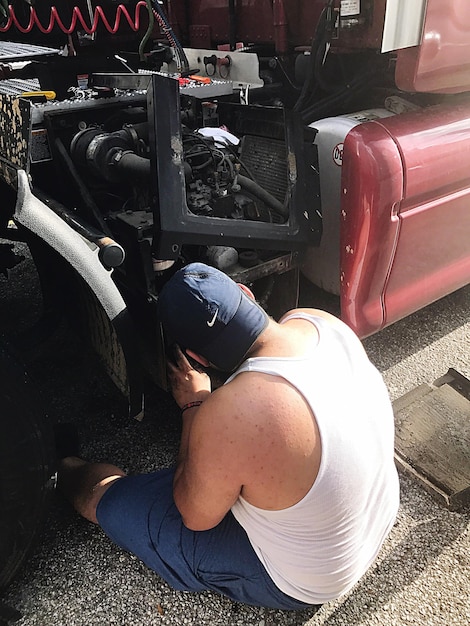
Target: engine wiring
224 164
182 60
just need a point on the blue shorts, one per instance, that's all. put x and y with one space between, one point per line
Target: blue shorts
138 513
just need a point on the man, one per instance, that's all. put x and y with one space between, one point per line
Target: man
285 486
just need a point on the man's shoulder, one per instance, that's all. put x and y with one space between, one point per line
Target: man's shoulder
221 403
228 421
315 313
244 394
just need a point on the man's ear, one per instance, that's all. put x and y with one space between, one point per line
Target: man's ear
197 357
247 291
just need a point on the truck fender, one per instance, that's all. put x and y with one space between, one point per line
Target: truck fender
38 218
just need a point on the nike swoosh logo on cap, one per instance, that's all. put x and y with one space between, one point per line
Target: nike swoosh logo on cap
212 322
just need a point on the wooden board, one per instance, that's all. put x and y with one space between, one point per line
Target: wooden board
432 437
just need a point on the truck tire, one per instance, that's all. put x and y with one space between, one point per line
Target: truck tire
27 466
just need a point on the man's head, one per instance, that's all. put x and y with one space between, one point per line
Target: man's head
204 310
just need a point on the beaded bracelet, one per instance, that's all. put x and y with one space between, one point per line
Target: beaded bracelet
190 405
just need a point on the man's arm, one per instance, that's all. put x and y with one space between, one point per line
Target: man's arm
207 480
188 385
205 483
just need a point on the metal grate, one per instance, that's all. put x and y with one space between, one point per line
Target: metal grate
266 158
17 86
13 51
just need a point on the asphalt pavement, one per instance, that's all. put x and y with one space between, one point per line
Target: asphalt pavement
77 577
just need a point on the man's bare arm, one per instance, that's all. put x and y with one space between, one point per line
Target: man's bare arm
188 385
207 481
203 490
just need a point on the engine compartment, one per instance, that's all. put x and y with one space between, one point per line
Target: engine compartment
177 177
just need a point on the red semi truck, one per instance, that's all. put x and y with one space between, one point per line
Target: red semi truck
324 144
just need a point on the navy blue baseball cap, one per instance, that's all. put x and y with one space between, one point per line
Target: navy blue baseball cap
202 309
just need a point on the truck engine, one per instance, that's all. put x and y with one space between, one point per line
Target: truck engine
125 160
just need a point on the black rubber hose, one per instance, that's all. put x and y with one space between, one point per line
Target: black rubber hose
269 200
319 41
141 130
130 164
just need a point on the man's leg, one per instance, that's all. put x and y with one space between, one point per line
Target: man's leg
139 514
84 484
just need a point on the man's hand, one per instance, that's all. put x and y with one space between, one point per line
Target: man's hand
187 384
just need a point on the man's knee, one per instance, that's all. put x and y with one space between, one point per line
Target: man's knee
98 492
84 484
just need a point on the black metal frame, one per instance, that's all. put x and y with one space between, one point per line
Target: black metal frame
174 224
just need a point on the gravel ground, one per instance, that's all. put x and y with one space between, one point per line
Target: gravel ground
76 577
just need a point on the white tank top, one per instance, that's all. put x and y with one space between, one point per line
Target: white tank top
317 549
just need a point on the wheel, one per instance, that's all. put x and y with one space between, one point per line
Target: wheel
27 466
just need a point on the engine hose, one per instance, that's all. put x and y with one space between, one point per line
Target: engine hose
269 200
133 132
320 37
130 164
